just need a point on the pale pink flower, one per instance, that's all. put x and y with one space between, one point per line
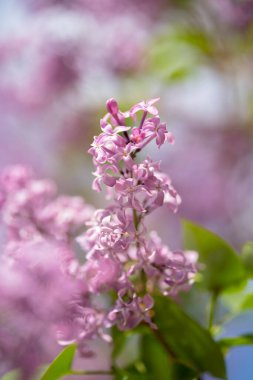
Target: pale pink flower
146 107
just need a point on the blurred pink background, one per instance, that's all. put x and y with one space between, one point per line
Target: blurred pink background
61 60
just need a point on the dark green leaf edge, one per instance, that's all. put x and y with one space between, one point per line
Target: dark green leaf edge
62 364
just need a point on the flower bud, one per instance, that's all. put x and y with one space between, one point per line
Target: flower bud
112 106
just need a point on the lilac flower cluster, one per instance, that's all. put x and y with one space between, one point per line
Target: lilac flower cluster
119 254
38 295
31 209
237 13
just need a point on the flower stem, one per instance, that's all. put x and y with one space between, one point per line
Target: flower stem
84 373
213 304
163 342
143 119
126 136
136 220
147 141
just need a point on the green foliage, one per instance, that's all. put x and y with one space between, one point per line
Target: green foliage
231 300
180 371
247 257
241 340
155 358
61 366
222 267
128 352
12 375
119 341
130 373
198 297
247 303
152 361
171 60
158 364
186 341
179 50
197 39
16 374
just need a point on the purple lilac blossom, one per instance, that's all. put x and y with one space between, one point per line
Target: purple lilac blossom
237 13
29 317
117 234
37 260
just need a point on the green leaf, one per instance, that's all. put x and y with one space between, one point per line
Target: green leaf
12 375
222 267
179 73
195 38
171 61
119 341
186 340
126 348
232 300
247 257
247 303
61 366
16 374
155 358
134 372
179 372
242 340
125 375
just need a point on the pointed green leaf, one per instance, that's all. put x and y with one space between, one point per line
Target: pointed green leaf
155 358
247 257
242 340
222 267
61 366
186 340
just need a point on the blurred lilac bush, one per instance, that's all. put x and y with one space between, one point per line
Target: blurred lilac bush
37 229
